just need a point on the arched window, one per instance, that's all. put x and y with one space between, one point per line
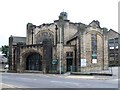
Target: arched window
94 47
44 35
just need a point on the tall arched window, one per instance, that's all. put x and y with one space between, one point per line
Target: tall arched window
94 47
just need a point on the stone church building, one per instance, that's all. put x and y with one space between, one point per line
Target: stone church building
60 47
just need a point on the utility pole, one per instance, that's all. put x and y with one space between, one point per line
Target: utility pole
79 47
56 41
61 39
60 50
56 28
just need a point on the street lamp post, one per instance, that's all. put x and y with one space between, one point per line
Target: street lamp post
60 50
56 28
56 41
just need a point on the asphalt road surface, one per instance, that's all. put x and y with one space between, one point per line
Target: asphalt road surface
16 80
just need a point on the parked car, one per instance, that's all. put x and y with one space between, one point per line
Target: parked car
6 66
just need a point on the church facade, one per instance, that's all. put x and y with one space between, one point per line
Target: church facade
59 47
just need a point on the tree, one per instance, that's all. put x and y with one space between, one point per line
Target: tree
4 50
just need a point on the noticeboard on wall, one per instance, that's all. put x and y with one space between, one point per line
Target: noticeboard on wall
83 62
94 60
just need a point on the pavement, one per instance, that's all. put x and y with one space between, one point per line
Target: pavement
56 80
33 80
68 75
86 77
111 70
101 74
3 85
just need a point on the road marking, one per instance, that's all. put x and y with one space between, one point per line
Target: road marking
4 85
115 80
72 83
7 85
85 77
26 78
64 82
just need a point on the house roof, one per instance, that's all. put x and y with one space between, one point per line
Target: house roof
17 39
3 59
114 31
73 37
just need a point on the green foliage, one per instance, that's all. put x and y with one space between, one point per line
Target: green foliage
4 50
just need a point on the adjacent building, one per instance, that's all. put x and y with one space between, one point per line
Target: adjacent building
113 53
60 47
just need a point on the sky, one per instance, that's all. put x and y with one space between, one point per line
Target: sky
15 14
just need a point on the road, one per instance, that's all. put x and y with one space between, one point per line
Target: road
16 80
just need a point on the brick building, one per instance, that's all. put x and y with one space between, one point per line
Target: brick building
60 46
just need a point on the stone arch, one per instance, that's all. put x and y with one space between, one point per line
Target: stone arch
33 62
41 35
100 48
94 31
26 54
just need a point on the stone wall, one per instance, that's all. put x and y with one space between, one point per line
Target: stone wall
25 51
80 44
86 50
69 30
70 48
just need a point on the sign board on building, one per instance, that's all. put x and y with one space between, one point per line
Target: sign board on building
54 61
83 62
117 47
111 47
94 60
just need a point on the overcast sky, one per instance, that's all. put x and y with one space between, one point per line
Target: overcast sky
15 14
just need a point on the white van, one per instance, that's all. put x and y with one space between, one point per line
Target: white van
6 66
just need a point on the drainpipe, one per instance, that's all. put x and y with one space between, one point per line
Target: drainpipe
79 47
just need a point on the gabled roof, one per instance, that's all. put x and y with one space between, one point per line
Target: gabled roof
81 29
17 39
73 37
3 59
111 30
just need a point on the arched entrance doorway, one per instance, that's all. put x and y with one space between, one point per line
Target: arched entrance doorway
33 62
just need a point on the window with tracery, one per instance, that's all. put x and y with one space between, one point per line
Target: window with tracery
94 47
44 35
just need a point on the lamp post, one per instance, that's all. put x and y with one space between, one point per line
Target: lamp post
60 49
56 41
56 28
61 18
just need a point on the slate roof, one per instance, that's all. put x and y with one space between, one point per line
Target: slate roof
3 59
18 39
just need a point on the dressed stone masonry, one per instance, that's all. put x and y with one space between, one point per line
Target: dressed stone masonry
61 45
